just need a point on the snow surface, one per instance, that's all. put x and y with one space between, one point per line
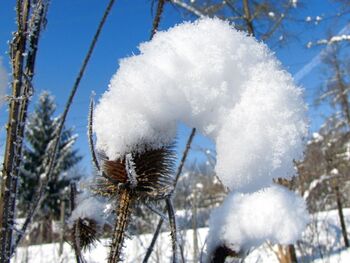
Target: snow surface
244 221
3 82
321 242
221 81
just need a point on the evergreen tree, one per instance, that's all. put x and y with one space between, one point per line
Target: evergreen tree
39 135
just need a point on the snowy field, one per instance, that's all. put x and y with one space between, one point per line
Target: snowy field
322 242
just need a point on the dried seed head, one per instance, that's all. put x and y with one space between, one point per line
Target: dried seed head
84 232
148 174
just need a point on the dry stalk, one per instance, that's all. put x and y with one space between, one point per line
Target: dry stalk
18 48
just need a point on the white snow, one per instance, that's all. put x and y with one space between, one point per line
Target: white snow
89 207
221 81
321 242
271 14
334 39
244 221
3 82
294 3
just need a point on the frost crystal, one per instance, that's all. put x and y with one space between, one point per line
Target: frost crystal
247 220
221 81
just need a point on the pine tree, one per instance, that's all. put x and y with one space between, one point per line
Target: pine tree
39 135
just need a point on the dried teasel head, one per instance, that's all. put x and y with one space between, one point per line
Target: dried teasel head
84 233
148 174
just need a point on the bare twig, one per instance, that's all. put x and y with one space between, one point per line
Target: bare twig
189 8
156 21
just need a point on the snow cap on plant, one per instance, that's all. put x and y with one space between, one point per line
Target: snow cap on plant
221 81
244 221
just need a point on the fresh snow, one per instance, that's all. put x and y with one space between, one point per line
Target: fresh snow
221 81
321 242
248 220
89 207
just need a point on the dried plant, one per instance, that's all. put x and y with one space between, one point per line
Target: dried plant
134 178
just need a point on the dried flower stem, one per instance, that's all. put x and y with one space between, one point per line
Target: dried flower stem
18 47
123 212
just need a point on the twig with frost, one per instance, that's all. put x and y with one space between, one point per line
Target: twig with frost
37 200
90 135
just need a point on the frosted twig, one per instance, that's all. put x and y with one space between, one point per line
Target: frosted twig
90 135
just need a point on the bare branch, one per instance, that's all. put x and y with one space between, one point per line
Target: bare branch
189 8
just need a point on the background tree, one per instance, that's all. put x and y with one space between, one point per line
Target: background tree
39 135
261 18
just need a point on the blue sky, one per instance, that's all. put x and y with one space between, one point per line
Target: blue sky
71 25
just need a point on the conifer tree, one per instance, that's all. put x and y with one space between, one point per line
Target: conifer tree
39 135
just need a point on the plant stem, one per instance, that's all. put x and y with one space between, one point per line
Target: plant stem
123 212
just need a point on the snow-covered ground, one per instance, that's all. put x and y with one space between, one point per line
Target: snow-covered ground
322 242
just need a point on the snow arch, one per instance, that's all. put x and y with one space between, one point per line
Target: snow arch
221 81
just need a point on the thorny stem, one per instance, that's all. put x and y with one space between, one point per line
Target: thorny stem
179 170
123 213
18 47
52 155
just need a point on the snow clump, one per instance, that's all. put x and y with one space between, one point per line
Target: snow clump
217 79
244 221
89 207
